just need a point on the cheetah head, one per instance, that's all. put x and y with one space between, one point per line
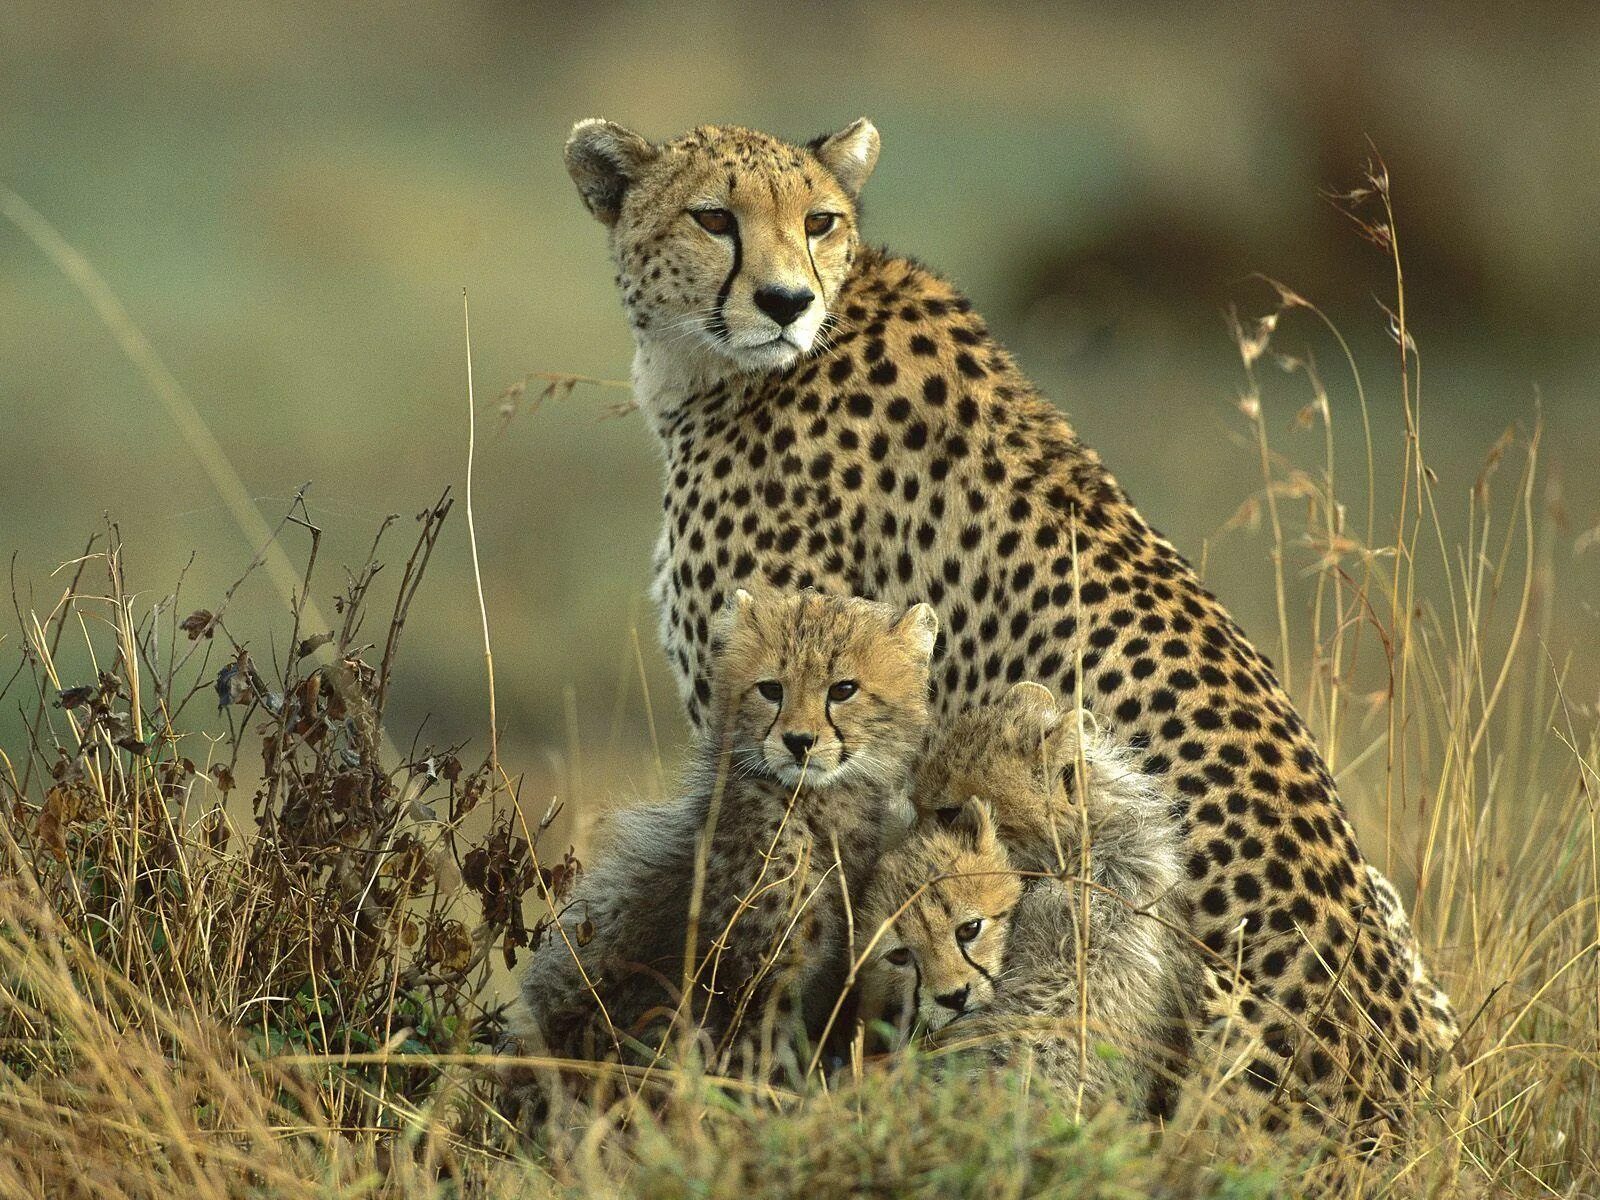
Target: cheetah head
939 906
1023 755
726 241
1018 755
812 689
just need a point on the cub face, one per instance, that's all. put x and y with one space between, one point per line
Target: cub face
725 238
943 899
814 689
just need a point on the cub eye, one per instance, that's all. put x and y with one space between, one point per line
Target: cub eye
968 931
818 224
771 689
713 220
899 956
843 690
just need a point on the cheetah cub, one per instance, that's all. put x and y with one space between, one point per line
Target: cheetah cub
727 913
983 915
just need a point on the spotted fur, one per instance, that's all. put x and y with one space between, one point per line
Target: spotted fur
904 455
716 912
941 906
1072 862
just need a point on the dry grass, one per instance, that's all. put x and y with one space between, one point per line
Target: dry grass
286 995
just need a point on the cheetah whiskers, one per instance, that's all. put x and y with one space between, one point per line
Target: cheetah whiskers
867 767
748 763
695 325
822 342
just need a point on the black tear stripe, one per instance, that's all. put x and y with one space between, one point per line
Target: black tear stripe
975 966
719 324
916 992
844 751
815 274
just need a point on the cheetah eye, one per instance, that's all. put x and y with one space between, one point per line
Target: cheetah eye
968 931
843 690
899 956
771 689
818 224
713 220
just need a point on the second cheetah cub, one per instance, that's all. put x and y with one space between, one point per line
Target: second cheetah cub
728 911
1036 905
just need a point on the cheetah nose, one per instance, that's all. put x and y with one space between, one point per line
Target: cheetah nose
784 305
799 745
956 1001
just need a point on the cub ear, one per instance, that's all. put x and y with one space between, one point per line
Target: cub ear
973 823
849 154
603 159
1034 703
733 610
919 626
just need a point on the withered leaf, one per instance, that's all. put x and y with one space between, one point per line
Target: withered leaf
223 778
406 860
585 932
61 807
63 803
134 746
49 834
557 878
198 624
71 698
471 795
347 788
450 945
315 642
475 869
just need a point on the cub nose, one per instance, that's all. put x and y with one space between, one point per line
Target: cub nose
782 304
799 744
956 1000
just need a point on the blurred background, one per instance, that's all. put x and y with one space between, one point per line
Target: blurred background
289 199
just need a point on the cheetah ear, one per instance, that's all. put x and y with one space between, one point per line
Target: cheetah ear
603 158
739 605
850 154
920 627
733 610
974 824
1034 702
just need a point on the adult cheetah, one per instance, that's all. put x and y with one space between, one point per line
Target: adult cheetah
836 416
